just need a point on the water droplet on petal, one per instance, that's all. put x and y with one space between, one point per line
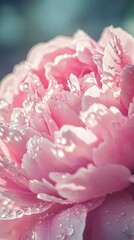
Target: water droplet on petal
117 220
24 87
60 153
34 236
3 104
123 214
69 231
108 223
63 176
61 236
106 211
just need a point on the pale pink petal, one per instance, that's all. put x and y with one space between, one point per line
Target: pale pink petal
10 94
81 36
42 186
39 160
103 95
88 183
15 136
10 85
63 114
115 52
43 53
63 66
73 146
11 173
127 85
14 185
86 52
114 132
46 52
54 199
71 99
127 41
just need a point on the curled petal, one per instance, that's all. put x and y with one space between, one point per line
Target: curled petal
91 182
109 125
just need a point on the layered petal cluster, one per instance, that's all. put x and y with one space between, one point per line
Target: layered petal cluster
67 141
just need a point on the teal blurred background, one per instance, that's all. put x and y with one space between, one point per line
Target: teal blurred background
25 23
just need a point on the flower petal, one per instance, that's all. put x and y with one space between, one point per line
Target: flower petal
68 224
115 135
114 219
91 182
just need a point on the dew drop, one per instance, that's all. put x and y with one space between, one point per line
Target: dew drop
117 62
63 176
7 139
61 236
117 220
69 231
60 153
122 214
6 201
17 138
98 60
63 141
91 120
24 87
34 236
3 104
19 214
1 134
125 229
106 211
108 223
58 140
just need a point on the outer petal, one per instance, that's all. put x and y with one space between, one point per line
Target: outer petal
114 219
116 53
42 53
127 85
127 41
45 53
66 225
10 94
9 210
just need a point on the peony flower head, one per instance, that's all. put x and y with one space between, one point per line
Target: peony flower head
67 141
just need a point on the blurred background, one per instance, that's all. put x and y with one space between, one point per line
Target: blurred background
25 23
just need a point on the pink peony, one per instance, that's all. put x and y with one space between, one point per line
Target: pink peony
67 141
